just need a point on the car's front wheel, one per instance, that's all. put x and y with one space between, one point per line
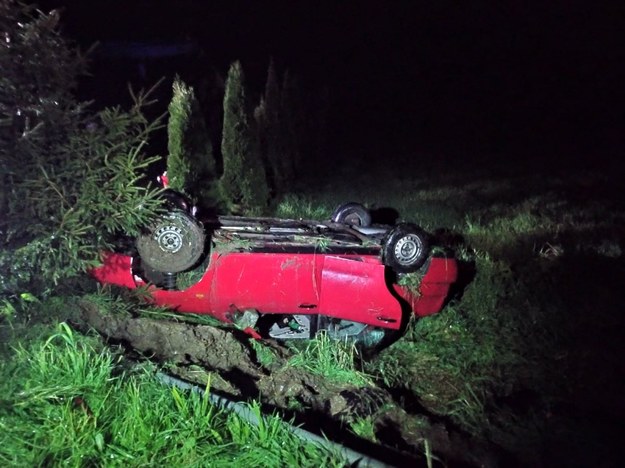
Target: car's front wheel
173 243
405 248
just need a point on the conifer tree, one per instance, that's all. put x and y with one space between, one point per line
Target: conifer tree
37 109
292 123
70 176
190 163
243 185
273 136
260 124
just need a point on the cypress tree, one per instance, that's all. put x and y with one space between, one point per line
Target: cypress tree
273 136
190 163
243 185
260 122
292 123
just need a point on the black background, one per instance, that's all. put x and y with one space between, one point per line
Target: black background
526 79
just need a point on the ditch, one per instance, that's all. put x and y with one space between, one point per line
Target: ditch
196 353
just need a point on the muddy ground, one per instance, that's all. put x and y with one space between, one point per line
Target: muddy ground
192 352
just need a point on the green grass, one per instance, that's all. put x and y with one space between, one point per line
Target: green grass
479 349
533 341
411 281
364 427
117 301
297 207
332 359
68 401
265 355
537 325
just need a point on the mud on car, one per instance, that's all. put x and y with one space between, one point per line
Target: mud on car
287 278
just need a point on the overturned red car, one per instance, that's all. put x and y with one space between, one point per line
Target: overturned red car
289 279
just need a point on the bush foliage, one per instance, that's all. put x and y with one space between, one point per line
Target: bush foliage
72 176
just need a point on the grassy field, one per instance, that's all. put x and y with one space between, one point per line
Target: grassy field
526 355
70 401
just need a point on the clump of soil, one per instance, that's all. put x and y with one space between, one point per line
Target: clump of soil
193 352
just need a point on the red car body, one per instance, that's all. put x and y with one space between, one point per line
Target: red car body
351 287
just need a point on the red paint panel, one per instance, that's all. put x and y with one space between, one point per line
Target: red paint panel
434 288
195 299
357 291
441 270
347 287
115 269
267 282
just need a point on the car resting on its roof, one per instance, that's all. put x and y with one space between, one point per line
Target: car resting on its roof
288 279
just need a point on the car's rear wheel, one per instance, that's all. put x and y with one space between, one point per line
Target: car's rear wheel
173 243
405 248
353 214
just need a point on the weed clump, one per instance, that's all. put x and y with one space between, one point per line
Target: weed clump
333 359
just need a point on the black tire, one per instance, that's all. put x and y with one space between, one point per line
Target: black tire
173 243
176 201
353 214
405 248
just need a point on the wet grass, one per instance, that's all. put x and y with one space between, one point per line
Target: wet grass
335 360
66 400
527 354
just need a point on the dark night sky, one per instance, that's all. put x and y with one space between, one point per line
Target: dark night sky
483 76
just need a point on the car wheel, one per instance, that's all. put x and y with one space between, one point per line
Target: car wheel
173 243
352 213
405 248
176 201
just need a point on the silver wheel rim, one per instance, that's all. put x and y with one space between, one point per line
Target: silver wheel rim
407 249
169 238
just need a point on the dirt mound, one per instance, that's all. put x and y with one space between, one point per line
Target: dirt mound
193 352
